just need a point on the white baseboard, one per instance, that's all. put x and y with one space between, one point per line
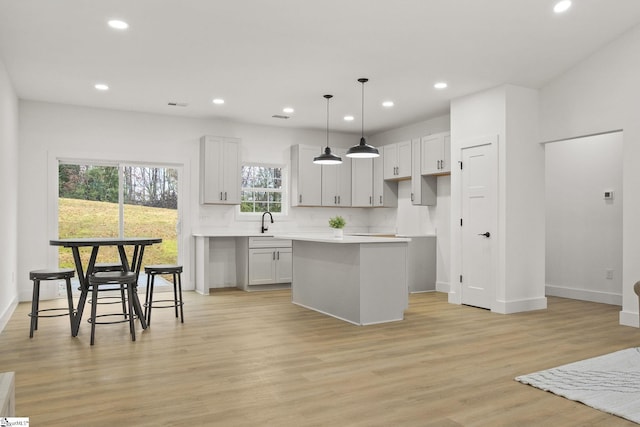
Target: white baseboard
8 312
584 295
629 318
517 306
442 287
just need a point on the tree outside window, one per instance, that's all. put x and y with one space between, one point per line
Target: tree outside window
262 189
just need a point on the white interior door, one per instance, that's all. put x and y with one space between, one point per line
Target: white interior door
479 213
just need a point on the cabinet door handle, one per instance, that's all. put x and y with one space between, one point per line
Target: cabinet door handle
221 195
370 200
225 195
335 200
300 198
380 199
273 255
278 256
339 200
412 197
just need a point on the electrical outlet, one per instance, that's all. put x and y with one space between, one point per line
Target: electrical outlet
609 273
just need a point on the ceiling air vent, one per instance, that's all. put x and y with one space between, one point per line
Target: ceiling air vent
279 116
177 104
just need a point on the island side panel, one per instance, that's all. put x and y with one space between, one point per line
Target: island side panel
384 289
202 264
326 278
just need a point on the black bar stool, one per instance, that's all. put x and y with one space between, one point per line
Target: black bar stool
52 274
103 267
152 271
105 281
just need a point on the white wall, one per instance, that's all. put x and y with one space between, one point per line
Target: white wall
584 231
598 95
9 191
52 131
508 115
478 115
522 199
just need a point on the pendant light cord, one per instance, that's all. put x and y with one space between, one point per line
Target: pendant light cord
328 122
362 109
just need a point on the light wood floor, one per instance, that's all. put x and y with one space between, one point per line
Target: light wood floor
255 359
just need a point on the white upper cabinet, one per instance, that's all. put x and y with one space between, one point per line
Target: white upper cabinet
362 183
219 170
397 160
385 193
423 188
336 182
306 176
436 154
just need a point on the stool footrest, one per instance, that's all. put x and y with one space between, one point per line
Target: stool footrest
126 318
170 303
66 312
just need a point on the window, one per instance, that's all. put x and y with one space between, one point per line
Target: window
262 189
118 200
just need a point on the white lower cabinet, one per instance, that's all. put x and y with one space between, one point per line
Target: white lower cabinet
268 266
264 263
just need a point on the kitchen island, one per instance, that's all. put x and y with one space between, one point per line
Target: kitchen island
359 279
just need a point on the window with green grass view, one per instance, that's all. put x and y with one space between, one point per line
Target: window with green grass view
262 189
118 201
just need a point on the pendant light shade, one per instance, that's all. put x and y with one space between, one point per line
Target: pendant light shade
327 158
363 150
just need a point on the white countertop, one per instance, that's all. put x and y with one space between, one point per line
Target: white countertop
328 238
348 238
393 235
232 234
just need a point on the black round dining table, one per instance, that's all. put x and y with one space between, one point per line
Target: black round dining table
138 243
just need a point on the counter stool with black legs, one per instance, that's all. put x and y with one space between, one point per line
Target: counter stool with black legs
105 281
152 271
50 274
103 267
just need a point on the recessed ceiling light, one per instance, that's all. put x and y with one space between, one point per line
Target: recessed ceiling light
118 24
101 86
218 101
387 104
348 118
287 110
562 6
440 85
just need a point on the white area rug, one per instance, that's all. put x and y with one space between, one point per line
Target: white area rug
610 383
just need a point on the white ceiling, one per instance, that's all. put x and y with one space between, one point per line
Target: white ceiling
261 55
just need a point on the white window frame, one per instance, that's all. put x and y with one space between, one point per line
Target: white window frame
284 191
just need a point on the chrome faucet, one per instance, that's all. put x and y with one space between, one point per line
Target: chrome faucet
267 227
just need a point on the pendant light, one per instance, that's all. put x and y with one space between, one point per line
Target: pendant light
363 150
327 158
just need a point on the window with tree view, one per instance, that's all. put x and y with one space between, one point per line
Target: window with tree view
262 189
